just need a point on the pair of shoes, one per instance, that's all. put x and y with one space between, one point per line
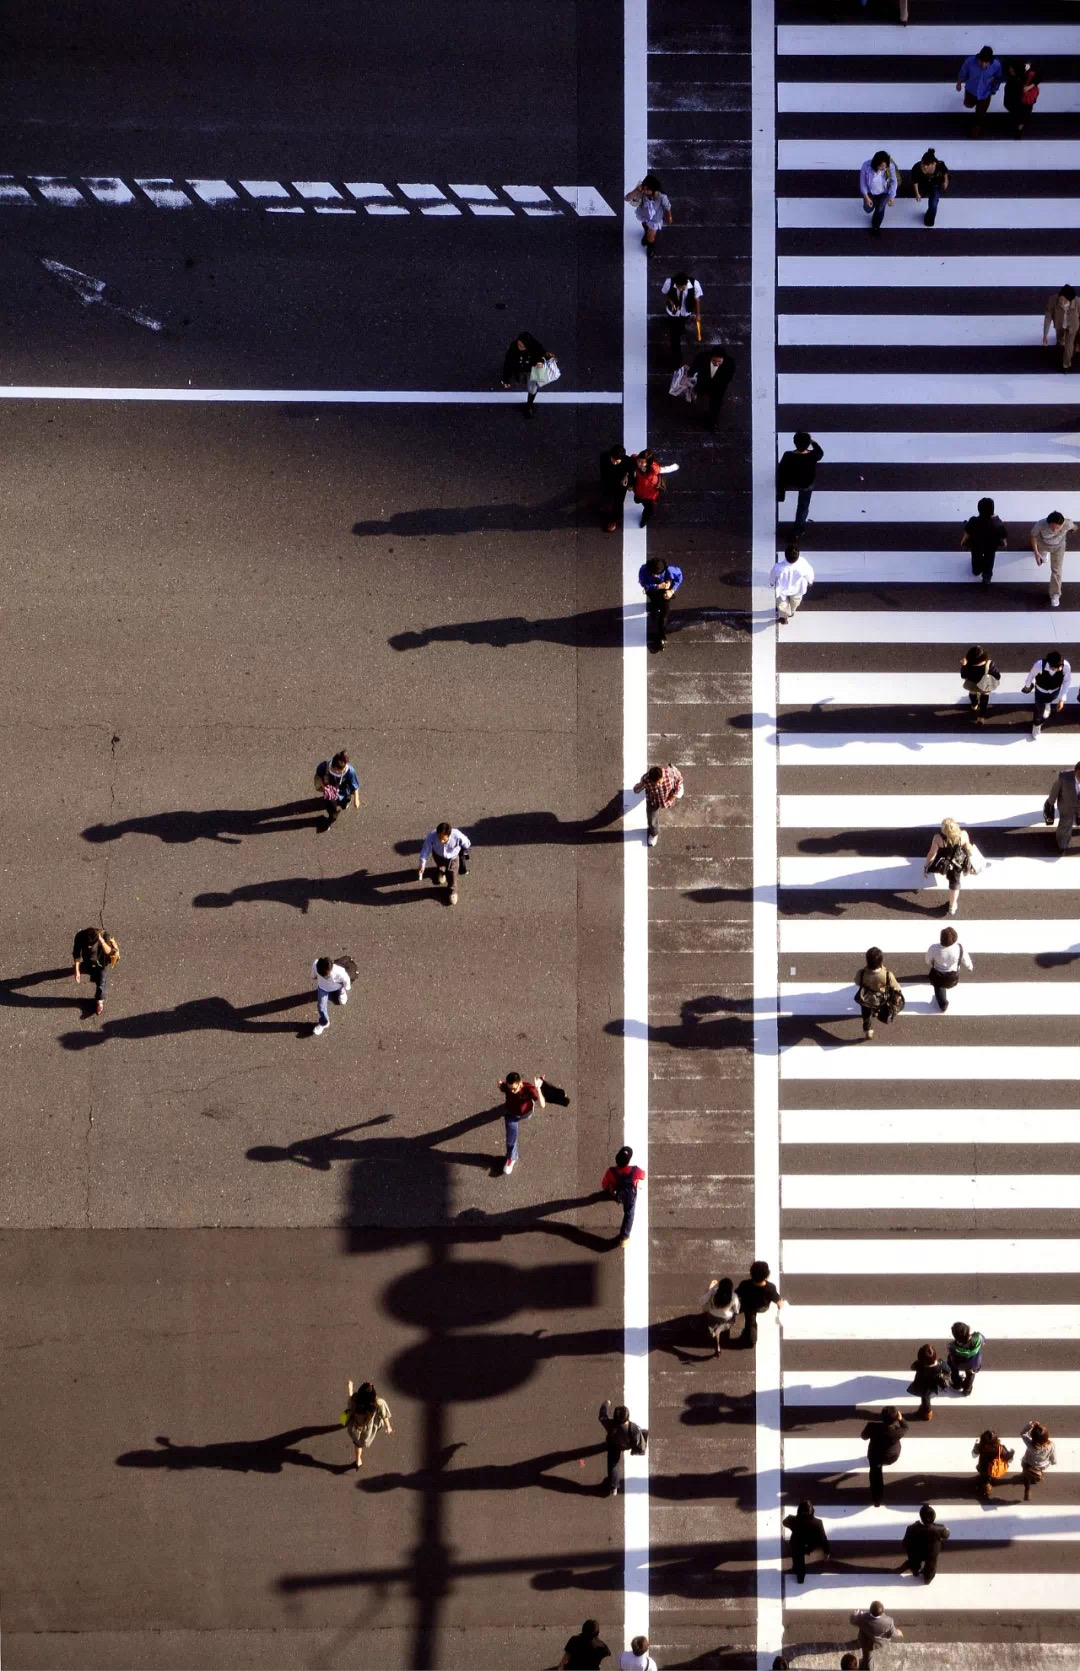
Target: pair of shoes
319 1030
953 909
929 1416
509 1167
342 998
653 838
1055 603
942 1004
453 896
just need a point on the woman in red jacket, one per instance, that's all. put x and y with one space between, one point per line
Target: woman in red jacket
648 481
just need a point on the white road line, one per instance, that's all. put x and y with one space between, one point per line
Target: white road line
842 690
928 1192
918 568
916 389
584 200
932 1256
214 192
950 1593
107 188
635 1001
920 505
1025 936
1055 748
1036 873
767 1399
969 1522
809 1389
377 199
974 1063
165 194
929 1322
312 397
878 40
533 199
1009 998
893 98
961 213
57 191
821 1127
966 156
905 272
919 1456
916 446
323 197
909 626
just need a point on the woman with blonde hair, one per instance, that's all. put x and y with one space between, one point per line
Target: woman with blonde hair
365 1415
952 854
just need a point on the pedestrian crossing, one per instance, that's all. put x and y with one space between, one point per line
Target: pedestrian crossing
931 1174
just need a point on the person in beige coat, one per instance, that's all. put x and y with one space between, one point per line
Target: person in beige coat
1063 312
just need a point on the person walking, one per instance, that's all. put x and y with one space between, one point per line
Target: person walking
331 981
683 302
874 1626
984 536
807 1534
649 476
756 1294
944 960
930 1374
979 78
964 1358
877 992
1048 539
637 1657
651 207
712 370
446 849
883 1437
992 1460
879 183
1039 1454
980 677
365 1415
1065 797
95 954
585 1651
659 581
1063 313
790 580
1021 94
951 854
622 1435
796 472
929 180
922 1544
338 785
720 1307
620 1183
1050 680
616 478
524 352
520 1096
662 786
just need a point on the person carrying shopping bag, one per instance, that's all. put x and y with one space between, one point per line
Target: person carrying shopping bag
877 992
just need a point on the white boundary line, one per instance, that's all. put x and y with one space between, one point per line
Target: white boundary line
770 1612
313 397
635 852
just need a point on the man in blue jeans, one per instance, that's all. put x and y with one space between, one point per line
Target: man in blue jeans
521 1095
331 981
796 472
620 1182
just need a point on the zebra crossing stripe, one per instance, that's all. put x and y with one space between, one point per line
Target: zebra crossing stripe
963 213
970 998
853 40
951 1592
905 272
1055 748
885 98
940 626
916 446
914 389
935 1256
861 690
970 1063
922 568
320 197
1047 937
967 1522
822 1127
966 156
928 1192
928 1322
934 1456
909 509
809 1389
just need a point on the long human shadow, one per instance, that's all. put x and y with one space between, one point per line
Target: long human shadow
702 1026
360 887
532 1471
560 511
196 1016
537 829
325 1150
238 1456
225 824
596 629
12 991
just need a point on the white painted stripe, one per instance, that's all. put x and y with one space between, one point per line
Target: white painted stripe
289 209
961 213
768 1531
930 1256
342 209
919 1456
914 389
923 1062
968 1522
308 397
214 192
1038 872
951 1592
904 272
12 195
911 1126
908 98
966 156
374 195
433 198
884 689
809 1389
481 200
585 201
1025 936
929 1322
165 194
939 626
1011 998
939 447
635 970
873 40
924 506
317 191
260 189
57 189
918 568
534 199
1055 748
108 188
932 1192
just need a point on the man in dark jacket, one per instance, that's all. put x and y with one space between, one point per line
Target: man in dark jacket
922 1544
883 1436
622 1435
712 371
807 1534
795 474
616 477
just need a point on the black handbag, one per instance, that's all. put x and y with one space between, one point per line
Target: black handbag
555 1094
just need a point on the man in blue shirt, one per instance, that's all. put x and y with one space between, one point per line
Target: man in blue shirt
979 79
659 581
336 781
447 849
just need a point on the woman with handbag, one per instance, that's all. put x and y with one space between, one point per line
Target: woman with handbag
649 476
877 992
930 1376
1038 1455
992 1460
952 854
980 677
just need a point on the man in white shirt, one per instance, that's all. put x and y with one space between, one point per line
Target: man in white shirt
447 848
943 960
331 981
1048 540
790 578
637 1656
1051 680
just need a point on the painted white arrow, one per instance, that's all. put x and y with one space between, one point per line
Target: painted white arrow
89 290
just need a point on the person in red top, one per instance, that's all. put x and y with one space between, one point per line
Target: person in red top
621 1183
521 1096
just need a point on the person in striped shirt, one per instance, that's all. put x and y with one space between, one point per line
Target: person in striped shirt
663 786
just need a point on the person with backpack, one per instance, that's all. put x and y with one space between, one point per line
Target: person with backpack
338 785
930 1375
620 1183
964 1358
883 1436
943 960
951 854
992 1460
683 302
622 1435
95 954
984 536
1021 94
1049 683
877 992
980 677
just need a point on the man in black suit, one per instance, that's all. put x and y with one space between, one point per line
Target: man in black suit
922 1544
1065 796
713 370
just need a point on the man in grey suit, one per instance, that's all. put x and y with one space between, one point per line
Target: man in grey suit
1065 796
874 1627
